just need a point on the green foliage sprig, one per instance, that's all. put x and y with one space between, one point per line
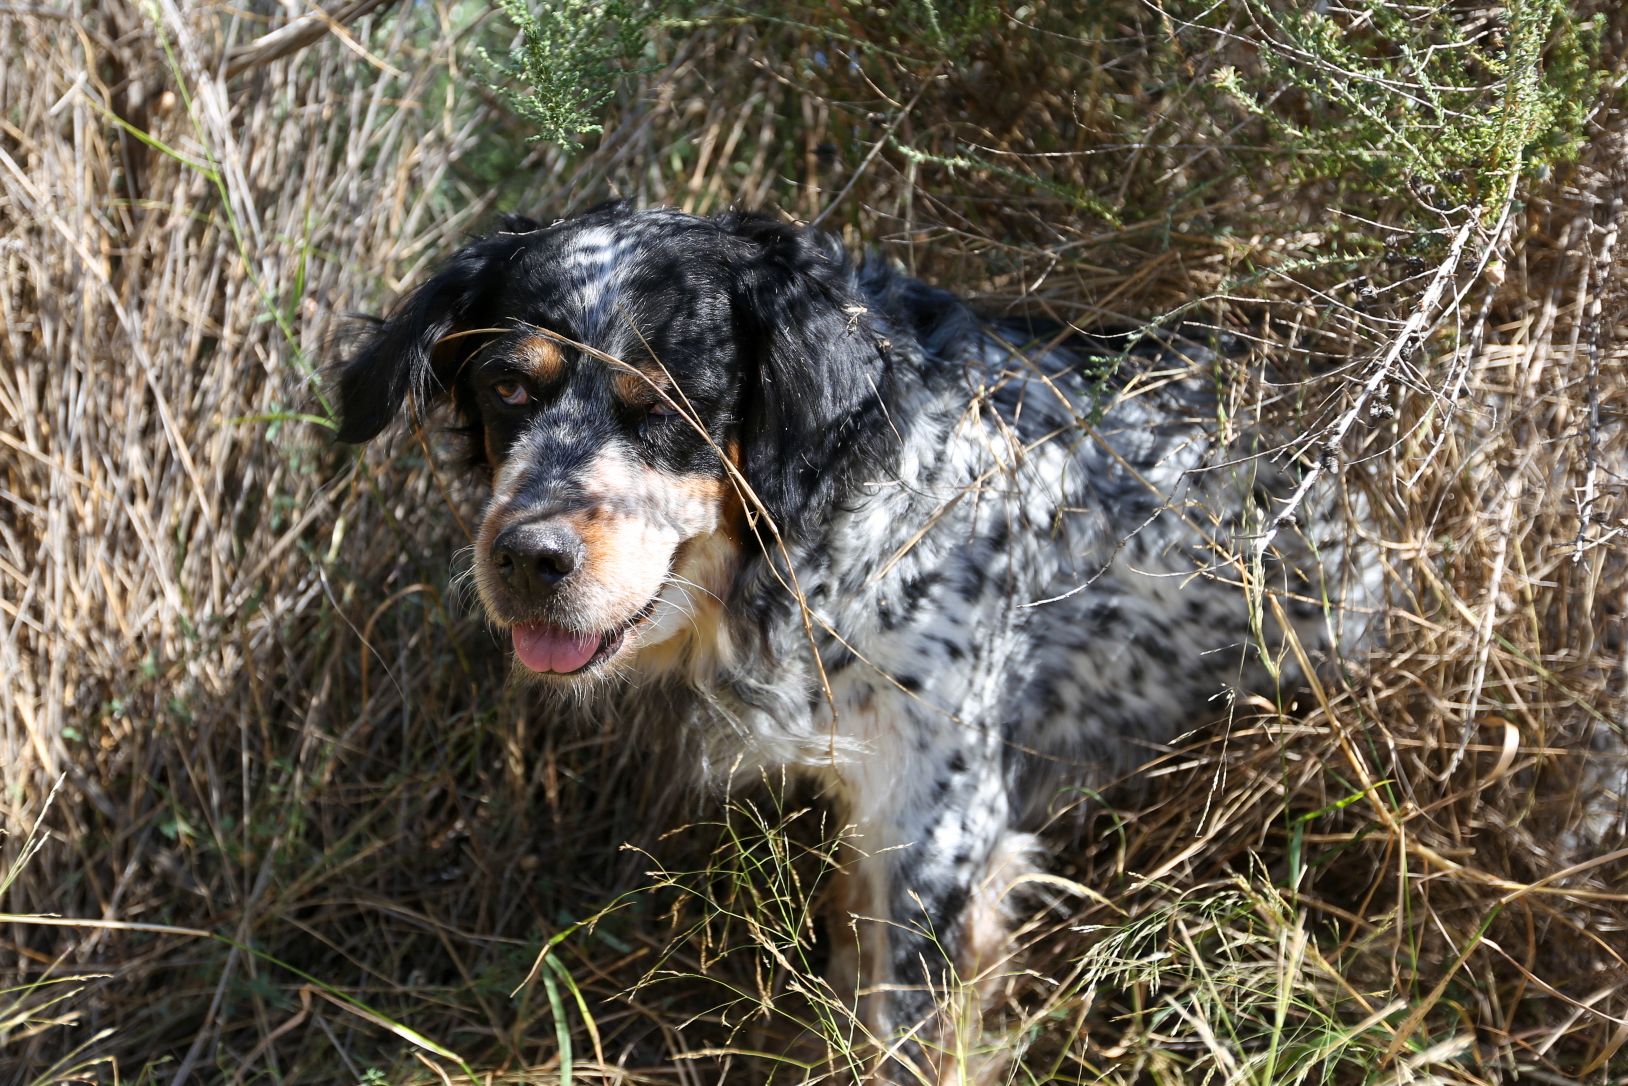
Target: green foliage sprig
570 58
1436 99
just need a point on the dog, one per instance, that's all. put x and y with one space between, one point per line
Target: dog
821 518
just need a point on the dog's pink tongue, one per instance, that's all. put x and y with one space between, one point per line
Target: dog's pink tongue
549 648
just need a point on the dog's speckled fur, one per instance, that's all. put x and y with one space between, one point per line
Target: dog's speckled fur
924 477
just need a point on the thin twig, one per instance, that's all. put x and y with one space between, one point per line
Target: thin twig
876 148
1402 346
1586 512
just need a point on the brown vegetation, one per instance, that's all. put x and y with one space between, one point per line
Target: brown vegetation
301 833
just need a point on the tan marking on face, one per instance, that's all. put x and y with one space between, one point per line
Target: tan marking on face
640 388
691 615
689 631
630 528
540 357
639 526
695 490
733 517
705 571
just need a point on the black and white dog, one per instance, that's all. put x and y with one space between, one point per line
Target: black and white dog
823 517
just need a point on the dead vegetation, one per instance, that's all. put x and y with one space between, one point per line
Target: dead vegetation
300 832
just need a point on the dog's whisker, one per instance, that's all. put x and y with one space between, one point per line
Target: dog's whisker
685 582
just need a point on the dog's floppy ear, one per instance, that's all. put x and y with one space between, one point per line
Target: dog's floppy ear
405 353
816 370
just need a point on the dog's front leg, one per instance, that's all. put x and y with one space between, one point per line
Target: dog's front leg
922 903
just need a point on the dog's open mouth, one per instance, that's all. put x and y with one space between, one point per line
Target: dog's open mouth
553 650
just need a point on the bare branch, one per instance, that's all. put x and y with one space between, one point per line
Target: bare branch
1384 373
1586 512
296 35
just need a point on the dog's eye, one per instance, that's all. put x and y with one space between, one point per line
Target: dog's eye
660 410
512 393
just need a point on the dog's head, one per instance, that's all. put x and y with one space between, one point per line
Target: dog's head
655 396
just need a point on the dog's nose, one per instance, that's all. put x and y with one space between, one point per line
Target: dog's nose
535 558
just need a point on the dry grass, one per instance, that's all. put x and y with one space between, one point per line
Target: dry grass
302 834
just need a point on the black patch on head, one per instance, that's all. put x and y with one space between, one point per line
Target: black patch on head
405 353
672 306
816 371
